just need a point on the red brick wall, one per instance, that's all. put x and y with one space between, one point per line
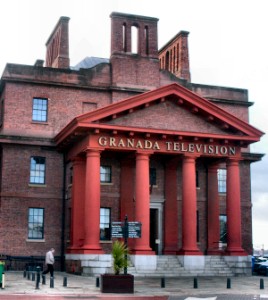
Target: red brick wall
17 196
64 104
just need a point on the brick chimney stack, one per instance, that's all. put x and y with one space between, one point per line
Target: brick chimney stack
174 56
134 51
57 54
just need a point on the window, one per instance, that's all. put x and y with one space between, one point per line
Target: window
197 179
39 110
134 39
105 224
197 226
222 180
38 169
152 176
105 174
223 228
36 223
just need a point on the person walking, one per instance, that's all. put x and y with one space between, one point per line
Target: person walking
49 262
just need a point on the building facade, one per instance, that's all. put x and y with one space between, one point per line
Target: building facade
83 147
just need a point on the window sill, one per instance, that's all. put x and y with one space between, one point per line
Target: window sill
35 241
107 183
105 242
37 185
39 122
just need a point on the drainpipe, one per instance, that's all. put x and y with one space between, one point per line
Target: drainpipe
62 256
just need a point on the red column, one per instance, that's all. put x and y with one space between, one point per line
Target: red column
189 207
127 191
78 199
171 210
142 200
234 241
92 203
213 211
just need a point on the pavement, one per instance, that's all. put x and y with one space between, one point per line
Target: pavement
69 286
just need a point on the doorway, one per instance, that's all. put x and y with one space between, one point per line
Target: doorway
153 229
156 228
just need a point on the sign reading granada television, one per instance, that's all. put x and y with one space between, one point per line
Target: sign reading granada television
131 230
167 146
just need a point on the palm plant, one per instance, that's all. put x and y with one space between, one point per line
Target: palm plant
119 254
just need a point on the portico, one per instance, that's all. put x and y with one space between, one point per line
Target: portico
110 137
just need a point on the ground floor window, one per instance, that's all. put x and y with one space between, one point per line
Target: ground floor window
105 224
223 229
36 223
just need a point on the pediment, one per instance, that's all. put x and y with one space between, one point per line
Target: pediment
170 109
166 115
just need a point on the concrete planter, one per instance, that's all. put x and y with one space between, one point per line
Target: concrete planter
111 283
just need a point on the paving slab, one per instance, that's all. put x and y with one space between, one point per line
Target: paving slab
179 288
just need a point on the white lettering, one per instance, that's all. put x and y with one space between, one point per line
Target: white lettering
130 143
112 142
148 144
210 149
168 146
198 147
232 150
182 148
176 146
121 143
156 146
139 144
102 141
191 148
223 150
205 149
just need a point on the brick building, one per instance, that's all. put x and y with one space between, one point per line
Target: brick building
84 146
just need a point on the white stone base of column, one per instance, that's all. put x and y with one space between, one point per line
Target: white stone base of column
144 262
193 262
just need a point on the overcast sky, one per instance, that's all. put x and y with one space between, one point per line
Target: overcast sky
228 46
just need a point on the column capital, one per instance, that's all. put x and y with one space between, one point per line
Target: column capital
213 168
93 151
77 159
193 156
144 152
233 161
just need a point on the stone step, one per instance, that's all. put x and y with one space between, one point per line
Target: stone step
170 266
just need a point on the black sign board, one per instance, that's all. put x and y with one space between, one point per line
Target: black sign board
126 230
117 229
134 230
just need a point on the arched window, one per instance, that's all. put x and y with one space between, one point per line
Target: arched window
146 37
134 39
124 38
178 56
167 61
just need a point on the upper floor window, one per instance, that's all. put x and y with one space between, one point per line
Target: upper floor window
134 39
105 224
39 110
222 180
38 170
36 223
106 174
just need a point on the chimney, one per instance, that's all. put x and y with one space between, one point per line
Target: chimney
57 54
174 56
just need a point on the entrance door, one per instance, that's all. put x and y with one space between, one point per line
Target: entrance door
154 238
156 219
